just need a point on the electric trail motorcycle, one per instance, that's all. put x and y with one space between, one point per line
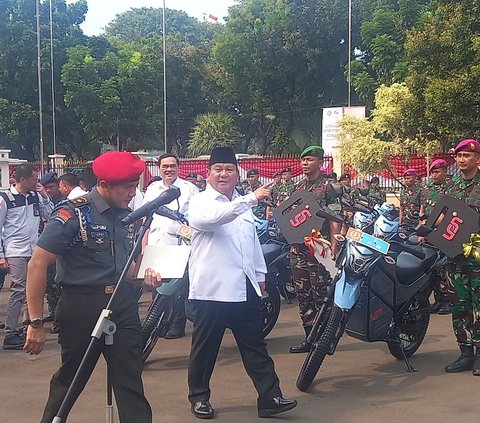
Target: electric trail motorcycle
380 293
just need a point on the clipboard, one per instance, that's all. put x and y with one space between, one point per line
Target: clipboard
168 260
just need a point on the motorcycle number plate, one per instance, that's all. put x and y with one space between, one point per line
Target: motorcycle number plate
368 240
296 216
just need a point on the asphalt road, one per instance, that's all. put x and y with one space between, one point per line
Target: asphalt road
361 383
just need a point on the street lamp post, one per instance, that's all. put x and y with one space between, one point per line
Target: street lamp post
349 101
164 28
54 125
39 76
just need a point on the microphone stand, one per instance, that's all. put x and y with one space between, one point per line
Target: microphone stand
104 327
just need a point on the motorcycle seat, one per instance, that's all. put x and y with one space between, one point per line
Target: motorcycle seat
270 252
410 267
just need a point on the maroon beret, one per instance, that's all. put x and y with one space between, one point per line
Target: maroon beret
437 164
468 145
118 166
410 172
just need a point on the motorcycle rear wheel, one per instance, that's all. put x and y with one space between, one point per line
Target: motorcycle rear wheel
155 317
319 350
411 328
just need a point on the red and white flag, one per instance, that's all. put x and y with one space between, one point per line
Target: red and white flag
212 17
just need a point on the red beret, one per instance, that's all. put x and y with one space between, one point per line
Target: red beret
410 172
436 164
468 145
118 166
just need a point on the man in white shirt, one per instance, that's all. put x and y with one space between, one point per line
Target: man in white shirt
163 230
20 210
69 186
227 276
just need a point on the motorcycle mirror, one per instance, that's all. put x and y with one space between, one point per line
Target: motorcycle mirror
402 235
339 237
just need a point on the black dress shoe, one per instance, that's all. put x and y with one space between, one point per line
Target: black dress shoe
303 347
203 410
175 333
275 406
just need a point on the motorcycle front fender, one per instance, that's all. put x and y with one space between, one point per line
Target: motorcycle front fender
347 293
171 287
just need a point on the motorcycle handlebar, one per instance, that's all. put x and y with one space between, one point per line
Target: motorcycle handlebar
407 248
171 214
328 215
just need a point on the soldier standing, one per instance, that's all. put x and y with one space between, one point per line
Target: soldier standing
92 245
376 195
310 277
287 187
433 191
463 276
253 184
412 202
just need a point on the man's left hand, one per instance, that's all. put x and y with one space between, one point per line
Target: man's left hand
262 288
152 278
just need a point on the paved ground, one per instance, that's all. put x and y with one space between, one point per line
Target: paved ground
361 383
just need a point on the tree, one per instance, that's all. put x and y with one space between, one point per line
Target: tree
380 57
213 130
19 122
444 70
139 23
366 144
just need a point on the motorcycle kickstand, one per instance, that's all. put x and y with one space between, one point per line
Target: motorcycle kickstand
284 289
410 369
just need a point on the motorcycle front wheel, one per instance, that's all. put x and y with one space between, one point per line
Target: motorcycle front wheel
156 316
411 328
320 349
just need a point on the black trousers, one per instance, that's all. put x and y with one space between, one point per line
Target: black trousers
244 319
77 312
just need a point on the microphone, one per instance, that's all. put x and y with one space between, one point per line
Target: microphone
166 197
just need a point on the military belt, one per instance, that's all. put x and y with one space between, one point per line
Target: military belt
89 289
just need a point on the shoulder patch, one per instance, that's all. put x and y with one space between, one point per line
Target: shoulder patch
62 215
79 201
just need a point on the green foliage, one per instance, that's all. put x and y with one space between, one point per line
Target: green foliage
444 68
213 130
367 144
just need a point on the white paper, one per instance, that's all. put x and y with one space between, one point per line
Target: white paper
168 260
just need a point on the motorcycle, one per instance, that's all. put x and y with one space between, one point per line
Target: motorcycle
380 293
173 294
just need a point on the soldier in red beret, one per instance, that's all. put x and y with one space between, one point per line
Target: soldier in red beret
86 237
463 276
433 190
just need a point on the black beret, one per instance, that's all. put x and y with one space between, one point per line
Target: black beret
252 172
192 175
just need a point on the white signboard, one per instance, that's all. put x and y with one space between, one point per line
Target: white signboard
331 117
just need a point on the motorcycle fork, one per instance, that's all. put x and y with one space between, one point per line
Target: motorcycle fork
321 317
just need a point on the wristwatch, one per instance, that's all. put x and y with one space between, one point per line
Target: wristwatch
36 323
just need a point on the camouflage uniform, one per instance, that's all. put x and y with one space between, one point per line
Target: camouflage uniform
274 192
310 277
464 277
376 196
285 191
260 210
432 192
411 200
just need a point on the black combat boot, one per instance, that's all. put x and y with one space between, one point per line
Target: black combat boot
462 363
435 307
304 346
445 308
476 364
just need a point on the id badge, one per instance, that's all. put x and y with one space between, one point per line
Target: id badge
36 209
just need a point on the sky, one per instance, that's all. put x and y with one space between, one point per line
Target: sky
101 12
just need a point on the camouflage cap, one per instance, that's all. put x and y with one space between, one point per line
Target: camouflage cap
313 150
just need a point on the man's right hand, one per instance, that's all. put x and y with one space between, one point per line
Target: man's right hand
263 193
4 263
35 340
